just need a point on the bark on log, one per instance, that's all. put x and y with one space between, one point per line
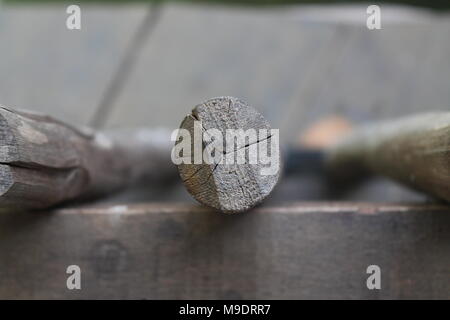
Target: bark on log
44 162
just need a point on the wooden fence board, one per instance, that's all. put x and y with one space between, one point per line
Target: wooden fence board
158 251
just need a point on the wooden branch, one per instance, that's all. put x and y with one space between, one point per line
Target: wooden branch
414 151
44 162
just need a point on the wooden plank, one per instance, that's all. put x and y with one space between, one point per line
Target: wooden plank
433 70
294 65
61 72
288 63
158 251
200 52
372 75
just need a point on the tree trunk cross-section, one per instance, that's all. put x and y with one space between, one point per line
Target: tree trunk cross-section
228 187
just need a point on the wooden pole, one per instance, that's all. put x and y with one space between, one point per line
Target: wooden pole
228 186
414 151
44 162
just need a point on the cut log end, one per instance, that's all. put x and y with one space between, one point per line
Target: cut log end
228 186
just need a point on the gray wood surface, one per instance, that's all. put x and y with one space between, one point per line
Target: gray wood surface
237 177
293 65
159 251
45 161
202 52
61 72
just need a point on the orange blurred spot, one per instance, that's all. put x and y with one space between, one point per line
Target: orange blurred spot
325 132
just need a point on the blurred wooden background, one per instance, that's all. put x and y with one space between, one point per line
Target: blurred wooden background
296 65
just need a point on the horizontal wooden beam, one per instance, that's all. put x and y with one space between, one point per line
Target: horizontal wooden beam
159 251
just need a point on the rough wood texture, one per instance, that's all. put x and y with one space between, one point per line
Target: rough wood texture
157 251
45 161
334 66
225 184
413 150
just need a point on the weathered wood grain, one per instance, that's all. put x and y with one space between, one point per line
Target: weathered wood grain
158 251
220 181
45 162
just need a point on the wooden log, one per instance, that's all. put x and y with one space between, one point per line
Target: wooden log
45 161
220 181
414 151
181 251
